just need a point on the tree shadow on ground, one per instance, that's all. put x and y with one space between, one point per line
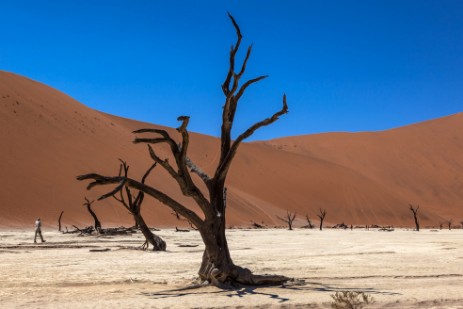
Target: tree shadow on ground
236 292
320 287
244 291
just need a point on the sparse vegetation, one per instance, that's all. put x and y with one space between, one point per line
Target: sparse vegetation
309 222
59 220
290 216
322 216
414 210
133 204
97 223
351 300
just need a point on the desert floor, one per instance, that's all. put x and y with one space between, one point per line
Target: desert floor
400 269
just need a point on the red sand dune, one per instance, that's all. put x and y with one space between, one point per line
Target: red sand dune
47 138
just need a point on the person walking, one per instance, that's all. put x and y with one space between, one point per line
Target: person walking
38 230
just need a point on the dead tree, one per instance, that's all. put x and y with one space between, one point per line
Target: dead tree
133 205
322 216
97 224
461 222
217 266
449 224
414 210
289 219
179 218
59 220
309 222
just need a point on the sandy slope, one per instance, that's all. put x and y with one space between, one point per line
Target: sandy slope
400 269
421 164
47 138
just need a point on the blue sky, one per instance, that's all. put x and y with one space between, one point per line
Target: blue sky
344 65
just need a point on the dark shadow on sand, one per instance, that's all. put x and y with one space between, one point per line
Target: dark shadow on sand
242 292
237 292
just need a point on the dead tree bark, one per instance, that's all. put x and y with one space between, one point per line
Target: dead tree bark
217 266
414 210
289 219
97 224
59 220
309 222
322 216
133 205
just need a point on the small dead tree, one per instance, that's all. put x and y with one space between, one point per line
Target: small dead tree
133 205
288 219
309 222
97 224
414 210
461 222
322 216
180 218
449 224
59 220
217 266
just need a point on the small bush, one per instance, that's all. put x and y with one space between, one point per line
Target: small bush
351 300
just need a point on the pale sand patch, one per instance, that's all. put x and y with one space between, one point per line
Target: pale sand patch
400 269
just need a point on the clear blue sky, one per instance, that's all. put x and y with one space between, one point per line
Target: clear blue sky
344 65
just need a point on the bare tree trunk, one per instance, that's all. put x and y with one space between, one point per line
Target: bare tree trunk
156 242
289 219
309 222
133 205
414 210
97 225
59 220
217 266
322 216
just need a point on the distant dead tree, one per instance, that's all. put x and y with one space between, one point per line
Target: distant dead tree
461 222
59 220
322 216
449 224
133 205
309 223
97 224
414 210
288 219
180 218
217 266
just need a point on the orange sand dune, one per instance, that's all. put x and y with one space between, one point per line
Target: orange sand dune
47 138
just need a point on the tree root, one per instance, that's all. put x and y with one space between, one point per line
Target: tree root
238 276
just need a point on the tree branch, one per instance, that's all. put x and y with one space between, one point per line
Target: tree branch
247 84
160 196
233 51
166 138
182 175
197 170
226 162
